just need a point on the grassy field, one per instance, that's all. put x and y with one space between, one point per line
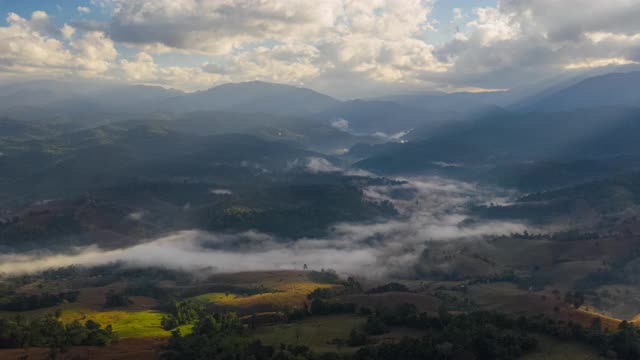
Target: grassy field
315 332
585 318
551 349
124 349
135 321
215 298
138 320
289 294
125 324
138 323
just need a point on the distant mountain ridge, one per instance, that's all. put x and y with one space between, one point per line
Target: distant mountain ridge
615 89
75 162
69 105
247 97
71 95
588 134
252 97
370 116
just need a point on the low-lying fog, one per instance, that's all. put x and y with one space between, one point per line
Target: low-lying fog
430 208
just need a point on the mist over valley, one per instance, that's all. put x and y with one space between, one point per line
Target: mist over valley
327 180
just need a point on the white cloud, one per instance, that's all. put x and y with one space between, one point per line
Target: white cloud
492 26
340 124
31 47
35 48
136 216
140 69
291 63
67 31
187 78
143 69
24 48
390 137
457 13
287 41
345 47
94 54
83 9
223 192
518 40
320 165
596 63
599 37
569 20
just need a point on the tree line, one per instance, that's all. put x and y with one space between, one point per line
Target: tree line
24 302
475 335
49 331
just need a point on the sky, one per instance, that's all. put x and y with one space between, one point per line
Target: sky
345 48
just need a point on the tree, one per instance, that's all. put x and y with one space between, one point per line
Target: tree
357 338
375 325
113 299
574 298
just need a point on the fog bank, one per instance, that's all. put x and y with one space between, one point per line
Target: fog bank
431 209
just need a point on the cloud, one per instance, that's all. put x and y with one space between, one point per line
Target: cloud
31 46
507 45
67 31
340 124
345 48
492 26
136 216
94 54
291 63
373 44
434 211
218 27
390 137
563 20
596 63
221 192
24 47
286 41
320 165
36 48
83 9
457 13
142 68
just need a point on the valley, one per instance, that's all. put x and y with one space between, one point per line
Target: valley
227 223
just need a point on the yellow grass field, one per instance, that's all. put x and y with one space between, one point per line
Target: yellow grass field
125 324
585 318
215 298
291 294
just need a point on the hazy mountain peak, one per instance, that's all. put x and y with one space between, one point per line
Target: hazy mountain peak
253 96
612 89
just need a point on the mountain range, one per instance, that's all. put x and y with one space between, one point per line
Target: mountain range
66 100
473 135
